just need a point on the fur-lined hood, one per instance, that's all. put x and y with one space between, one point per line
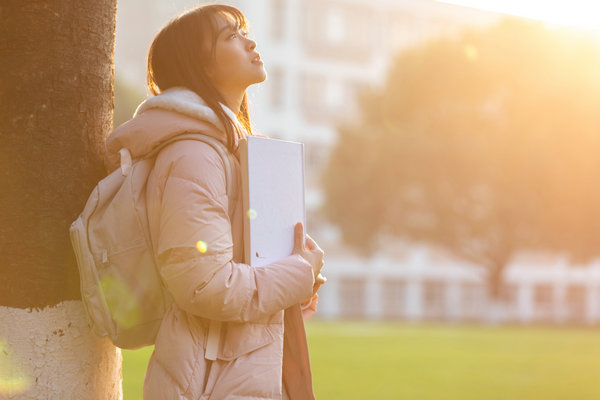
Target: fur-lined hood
161 117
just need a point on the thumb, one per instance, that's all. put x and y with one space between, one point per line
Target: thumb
298 238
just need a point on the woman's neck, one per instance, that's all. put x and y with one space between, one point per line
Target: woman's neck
234 101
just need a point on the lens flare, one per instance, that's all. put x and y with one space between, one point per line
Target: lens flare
201 246
121 300
252 214
12 379
471 52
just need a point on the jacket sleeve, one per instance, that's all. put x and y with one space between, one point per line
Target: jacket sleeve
195 250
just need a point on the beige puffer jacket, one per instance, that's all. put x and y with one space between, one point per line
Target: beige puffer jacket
187 203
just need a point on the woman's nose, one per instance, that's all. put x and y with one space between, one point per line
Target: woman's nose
251 45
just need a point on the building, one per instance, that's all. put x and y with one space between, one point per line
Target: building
419 284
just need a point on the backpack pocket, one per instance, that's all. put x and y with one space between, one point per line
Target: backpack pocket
92 296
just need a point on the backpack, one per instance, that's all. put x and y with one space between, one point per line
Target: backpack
121 288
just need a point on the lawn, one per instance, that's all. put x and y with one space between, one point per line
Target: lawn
360 360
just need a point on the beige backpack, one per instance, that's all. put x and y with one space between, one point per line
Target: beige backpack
121 288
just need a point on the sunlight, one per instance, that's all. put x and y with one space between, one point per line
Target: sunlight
252 214
201 246
123 304
575 13
12 380
471 52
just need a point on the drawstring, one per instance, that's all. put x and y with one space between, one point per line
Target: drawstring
126 161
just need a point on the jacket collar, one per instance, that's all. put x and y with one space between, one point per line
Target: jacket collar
161 117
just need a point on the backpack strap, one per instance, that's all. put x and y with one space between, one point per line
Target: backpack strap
219 147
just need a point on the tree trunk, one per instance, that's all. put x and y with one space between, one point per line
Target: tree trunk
495 310
55 112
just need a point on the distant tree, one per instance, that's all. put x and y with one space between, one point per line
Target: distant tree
127 98
55 112
484 145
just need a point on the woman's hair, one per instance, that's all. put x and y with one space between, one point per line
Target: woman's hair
179 56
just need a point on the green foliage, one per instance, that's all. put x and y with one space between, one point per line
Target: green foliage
483 144
354 360
127 98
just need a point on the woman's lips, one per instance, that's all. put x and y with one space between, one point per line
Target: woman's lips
257 60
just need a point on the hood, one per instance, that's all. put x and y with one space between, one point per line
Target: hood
161 117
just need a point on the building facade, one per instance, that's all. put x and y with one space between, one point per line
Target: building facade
422 286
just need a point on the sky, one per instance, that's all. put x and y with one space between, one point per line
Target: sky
583 14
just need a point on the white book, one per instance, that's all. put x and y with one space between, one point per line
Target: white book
273 197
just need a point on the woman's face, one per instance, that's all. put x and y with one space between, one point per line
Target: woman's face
236 63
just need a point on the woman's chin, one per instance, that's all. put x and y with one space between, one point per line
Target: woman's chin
257 76
263 75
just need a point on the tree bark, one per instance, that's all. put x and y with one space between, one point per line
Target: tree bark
56 91
51 353
55 111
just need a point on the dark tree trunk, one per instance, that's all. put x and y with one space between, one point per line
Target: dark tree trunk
495 281
56 90
495 312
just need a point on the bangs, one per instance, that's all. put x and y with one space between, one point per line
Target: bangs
239 20
215 11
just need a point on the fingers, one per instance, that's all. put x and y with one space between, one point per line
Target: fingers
320 279
311 302
311 244
310 251
298 237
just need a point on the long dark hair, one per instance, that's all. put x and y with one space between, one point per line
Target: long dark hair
179 56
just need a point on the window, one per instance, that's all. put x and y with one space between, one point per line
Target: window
334 94
335 26
543 297
576 302
508 294
325 98
352 297
333 31
276 87
472 300
277 19
393 295
434 299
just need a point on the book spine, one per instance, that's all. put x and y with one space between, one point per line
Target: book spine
303 190
245 200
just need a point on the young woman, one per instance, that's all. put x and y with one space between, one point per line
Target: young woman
199 67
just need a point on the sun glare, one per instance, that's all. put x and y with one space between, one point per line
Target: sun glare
124 306
574 13
201 246
251 213
12 380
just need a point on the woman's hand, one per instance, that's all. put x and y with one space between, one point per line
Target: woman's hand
309 307
311 252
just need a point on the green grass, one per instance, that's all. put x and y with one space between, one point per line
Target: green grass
359 360
134 368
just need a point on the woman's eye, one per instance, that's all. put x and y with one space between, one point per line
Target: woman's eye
238 33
